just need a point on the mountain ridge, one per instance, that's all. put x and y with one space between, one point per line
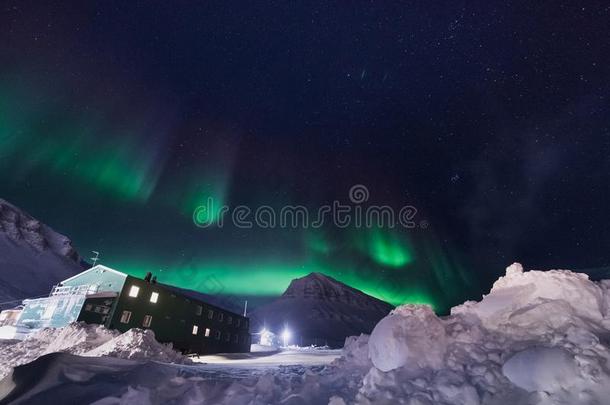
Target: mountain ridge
27 245
319 309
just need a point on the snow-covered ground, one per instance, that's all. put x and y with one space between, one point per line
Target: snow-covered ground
536 338
266 359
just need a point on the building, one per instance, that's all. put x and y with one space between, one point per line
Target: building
119 301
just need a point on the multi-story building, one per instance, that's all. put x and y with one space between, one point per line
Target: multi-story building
119 301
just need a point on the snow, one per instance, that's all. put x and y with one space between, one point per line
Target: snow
85 340
138 344
412 335
536 338
546 369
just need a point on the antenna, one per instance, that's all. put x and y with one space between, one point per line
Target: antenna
245 307
96 258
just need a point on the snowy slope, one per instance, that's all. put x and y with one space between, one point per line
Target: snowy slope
320 307
33 257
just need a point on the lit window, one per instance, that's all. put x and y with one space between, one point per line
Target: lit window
195 329
199 310
210 314
125 317
134 291
147 321
154 297
207 332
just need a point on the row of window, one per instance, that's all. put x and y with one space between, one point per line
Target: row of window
126 317
100 309
134 291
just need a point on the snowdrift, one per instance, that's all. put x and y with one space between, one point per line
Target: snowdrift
538 337
86 340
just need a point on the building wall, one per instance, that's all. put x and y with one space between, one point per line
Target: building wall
96 310
174 317
54 312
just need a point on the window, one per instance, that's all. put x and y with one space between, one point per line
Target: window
217 335
235 338
207 332
195 329
221 316
245 323
147 321
134 291
154 297
199 310
229 320
238 322
228 337
125 317
210 314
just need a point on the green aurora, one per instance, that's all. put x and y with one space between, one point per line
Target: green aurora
115 163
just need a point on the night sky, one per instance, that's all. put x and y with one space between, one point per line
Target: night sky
118 119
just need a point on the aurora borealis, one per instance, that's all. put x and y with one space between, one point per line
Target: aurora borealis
118 120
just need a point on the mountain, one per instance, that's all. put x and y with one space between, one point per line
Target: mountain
33 257
318 309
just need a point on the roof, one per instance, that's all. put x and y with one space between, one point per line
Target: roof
95 268
226 303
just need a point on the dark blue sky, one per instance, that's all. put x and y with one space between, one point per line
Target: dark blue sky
492 118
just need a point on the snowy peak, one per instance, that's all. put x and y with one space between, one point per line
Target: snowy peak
318 286
321 310
22 228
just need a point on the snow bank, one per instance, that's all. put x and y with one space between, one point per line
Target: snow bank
85 340
536 338
138 344
76 338
537 302
412 335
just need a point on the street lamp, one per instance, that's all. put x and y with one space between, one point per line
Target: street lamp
286 334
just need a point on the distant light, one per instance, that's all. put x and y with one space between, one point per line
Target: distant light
266 338
286 334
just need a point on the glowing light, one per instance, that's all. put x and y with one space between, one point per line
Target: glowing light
286 335
267 338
